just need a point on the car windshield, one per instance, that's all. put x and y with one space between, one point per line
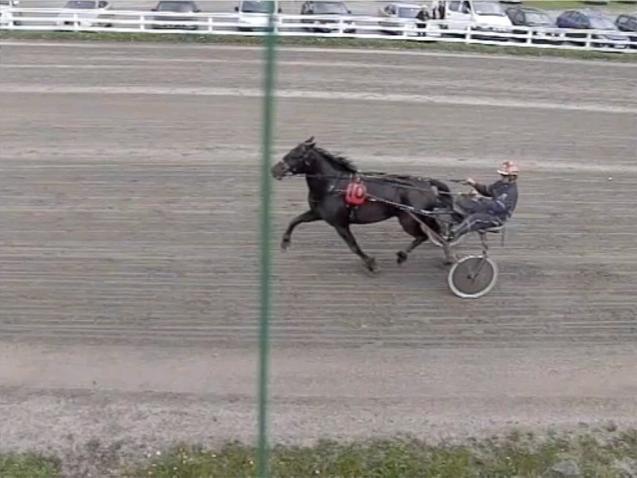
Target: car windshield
175 7
330 7
408 12
537 17
80 4
256 6
488 8
602 23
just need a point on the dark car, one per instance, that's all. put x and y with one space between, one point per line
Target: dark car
177 6
628 23
592 20
529 17
535 19
327 9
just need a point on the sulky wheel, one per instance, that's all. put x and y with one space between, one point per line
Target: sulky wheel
472 277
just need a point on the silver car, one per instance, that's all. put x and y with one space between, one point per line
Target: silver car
400 15
92 13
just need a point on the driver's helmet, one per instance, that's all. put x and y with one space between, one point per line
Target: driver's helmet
509 168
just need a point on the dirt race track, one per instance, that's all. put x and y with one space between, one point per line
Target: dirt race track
128 247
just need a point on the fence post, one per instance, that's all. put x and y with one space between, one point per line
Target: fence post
263 467
142 22
529 36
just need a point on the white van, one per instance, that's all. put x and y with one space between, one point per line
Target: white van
6 15
254 14
482 15
85 13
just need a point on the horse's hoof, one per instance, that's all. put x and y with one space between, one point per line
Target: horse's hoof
285 243
401 256
371 264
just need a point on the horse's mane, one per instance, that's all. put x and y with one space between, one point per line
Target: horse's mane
338 161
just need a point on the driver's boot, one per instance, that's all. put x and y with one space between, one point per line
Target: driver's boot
455 233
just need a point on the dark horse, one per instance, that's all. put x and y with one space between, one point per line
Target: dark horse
327 177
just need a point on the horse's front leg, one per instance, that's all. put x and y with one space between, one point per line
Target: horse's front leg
349 239
307 216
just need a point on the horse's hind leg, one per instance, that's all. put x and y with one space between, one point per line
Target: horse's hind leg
307 216
432 229
349 239
411 227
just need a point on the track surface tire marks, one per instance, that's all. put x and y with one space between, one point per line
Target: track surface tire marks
129 252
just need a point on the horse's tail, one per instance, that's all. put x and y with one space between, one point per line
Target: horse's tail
440 185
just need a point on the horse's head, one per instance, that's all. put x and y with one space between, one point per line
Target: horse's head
296 161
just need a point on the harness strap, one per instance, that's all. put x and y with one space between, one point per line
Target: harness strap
356 192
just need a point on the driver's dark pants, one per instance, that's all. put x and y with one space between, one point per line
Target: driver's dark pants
473 216
470 206
475 222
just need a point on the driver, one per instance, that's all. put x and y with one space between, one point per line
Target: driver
496 205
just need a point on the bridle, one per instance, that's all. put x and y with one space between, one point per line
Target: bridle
287 171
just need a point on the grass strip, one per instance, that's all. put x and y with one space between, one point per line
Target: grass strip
517 455
29 465
335 43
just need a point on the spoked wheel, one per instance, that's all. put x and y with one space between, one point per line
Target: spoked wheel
472 277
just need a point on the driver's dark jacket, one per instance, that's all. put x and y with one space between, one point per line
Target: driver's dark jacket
502 197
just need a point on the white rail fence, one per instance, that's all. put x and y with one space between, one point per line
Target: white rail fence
133 21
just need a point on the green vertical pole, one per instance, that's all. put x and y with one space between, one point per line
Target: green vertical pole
266 295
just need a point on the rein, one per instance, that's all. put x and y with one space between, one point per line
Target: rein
381 179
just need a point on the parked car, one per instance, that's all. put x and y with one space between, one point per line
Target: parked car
6 16
529 17
93 14
327 9
400 15
533 18
480 15
628 23
592 20
185 8
254 14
